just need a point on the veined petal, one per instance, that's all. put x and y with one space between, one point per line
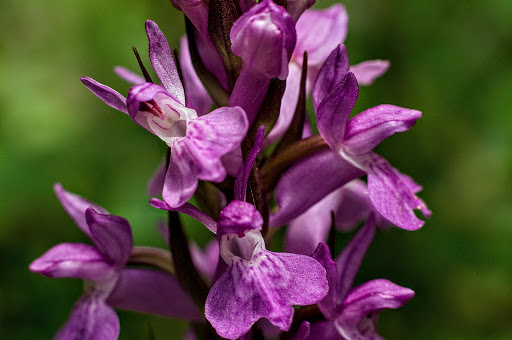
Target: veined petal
319 32
391 193
111 235
369 128
304 233
162 61
197 97
128 75
288 103
76 206
152 292
181 177
110 96
91 319
330 305
332 72
360 308
211 136
188 209
75 260
350 259
267 286
367 71
308 181
333 112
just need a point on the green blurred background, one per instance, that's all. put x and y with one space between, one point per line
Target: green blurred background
450 59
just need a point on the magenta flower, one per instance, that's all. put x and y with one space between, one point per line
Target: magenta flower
257 283
318 33
107 283
350 156
351 313
264 26
197 143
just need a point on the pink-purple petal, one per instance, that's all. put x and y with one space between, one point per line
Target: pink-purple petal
211 136
308 181
74 260
91 319
369 128
360 308
330 305
350 259
162 61
128 75
367 71
76 206
190 210
333 112
267 286
196 96
245 170
152 292
181 177
110 96
391 196
332 72
319 32
111 235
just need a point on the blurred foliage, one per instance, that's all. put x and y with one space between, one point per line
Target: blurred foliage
450 59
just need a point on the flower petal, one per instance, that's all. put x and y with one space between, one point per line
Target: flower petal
156 183
357 319
211 136
309 229
75 260
333 112
181 177
153 292
188 209
76 206
308 181
91 319
332 72
367 71
111 235
350 259
267 286
319 32
110 96
197 97
369 128
206 260
392 195
162 61
128 75
303 332
330 305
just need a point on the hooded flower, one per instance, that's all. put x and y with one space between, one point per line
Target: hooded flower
264 26
351 313
318 33
107 283
256 283
197 143
350 156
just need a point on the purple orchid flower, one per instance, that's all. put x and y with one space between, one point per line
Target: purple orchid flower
351 313
264 26
350 156
318 33
197 143
257 283
108 284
